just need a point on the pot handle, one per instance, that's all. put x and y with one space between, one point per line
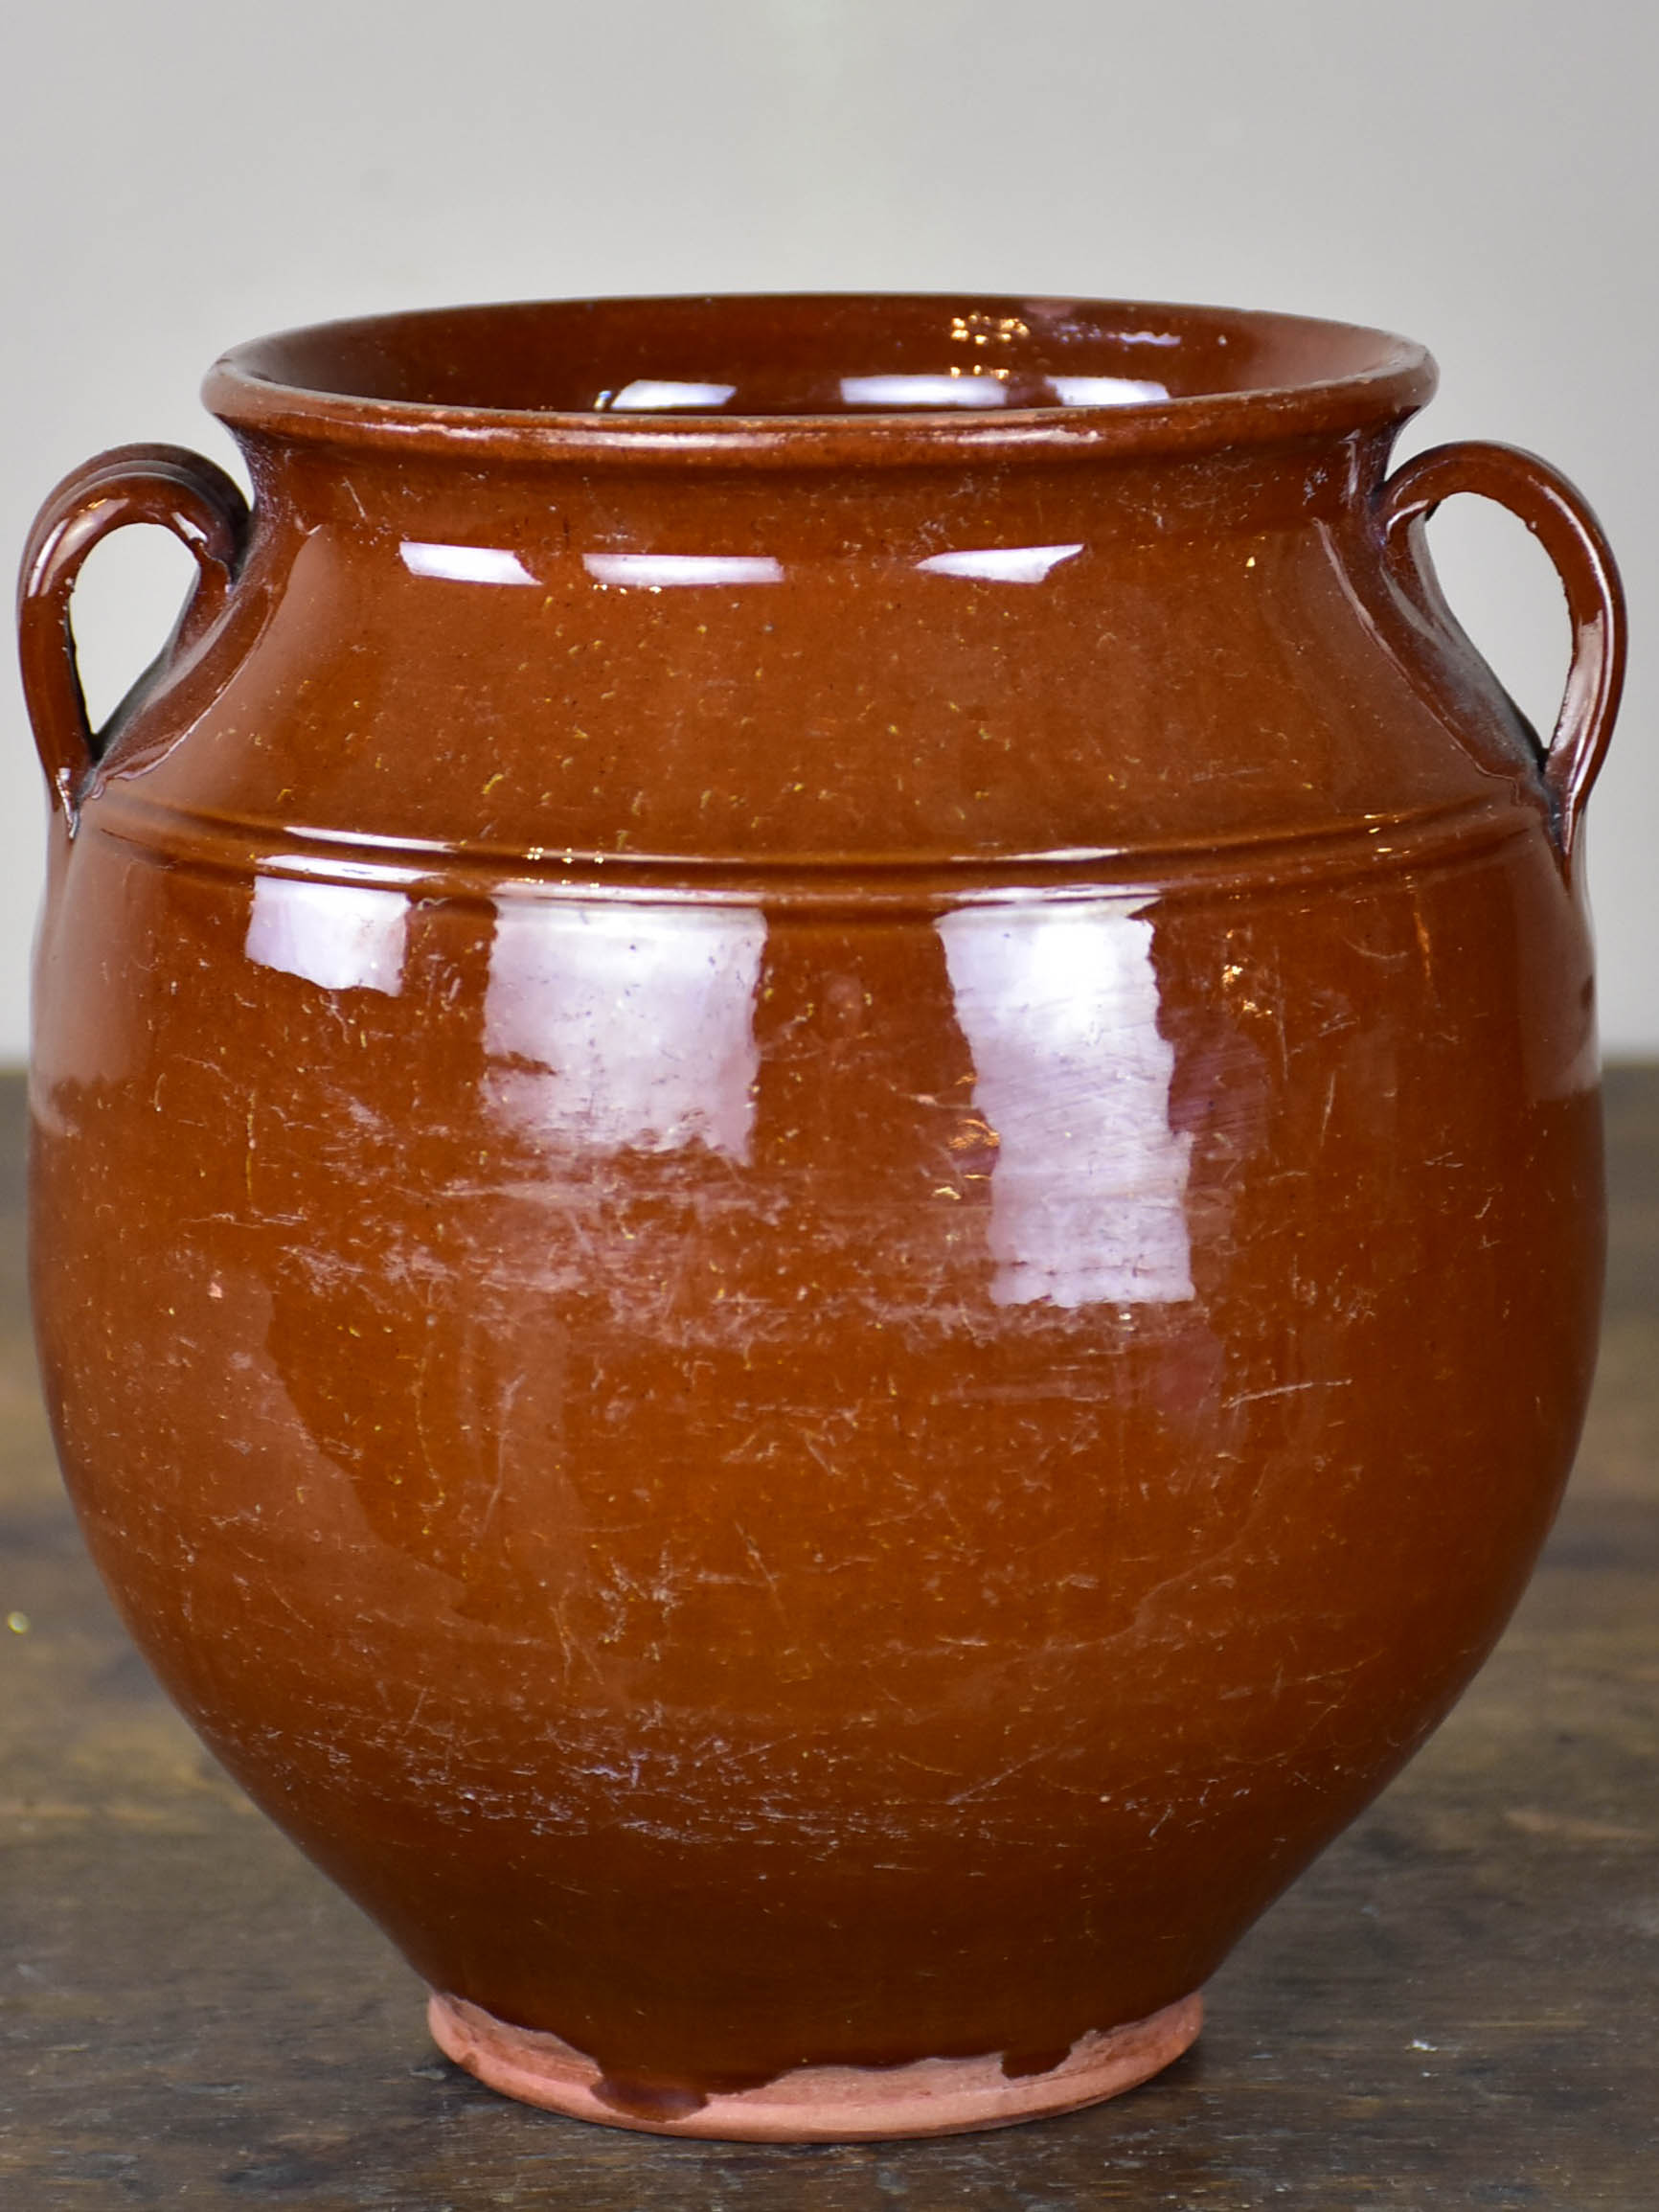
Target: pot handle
166 484
1561 518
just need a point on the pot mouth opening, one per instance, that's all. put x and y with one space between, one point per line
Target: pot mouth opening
778 371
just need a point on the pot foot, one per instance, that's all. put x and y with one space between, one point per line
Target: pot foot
816 2103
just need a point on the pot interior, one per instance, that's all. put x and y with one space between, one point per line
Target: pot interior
808 354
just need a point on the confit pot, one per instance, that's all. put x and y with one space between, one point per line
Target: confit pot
816 1166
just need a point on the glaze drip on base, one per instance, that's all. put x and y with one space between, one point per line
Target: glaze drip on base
819 2104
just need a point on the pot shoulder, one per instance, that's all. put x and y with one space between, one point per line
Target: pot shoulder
1099 679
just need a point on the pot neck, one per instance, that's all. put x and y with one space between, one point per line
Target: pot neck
366 495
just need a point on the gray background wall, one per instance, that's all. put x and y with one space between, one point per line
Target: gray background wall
1480 173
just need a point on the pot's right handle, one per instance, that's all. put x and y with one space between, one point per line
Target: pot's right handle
1561 519
165 484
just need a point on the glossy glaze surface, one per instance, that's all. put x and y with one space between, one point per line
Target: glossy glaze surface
817 1191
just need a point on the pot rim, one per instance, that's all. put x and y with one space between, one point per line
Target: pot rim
253 389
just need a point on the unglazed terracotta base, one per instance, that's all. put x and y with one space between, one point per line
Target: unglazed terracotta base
823 2104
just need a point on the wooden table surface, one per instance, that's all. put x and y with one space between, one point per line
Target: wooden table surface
1459 2006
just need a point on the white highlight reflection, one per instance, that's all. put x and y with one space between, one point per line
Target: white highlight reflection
647 393
463 563
665 571
1105 391
626 1027
1000 563
344 936
1060 1013
970 391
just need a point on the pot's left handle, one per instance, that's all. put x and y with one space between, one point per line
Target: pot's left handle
1561 518
165 484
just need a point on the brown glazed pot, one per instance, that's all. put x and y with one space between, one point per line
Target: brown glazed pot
817 1167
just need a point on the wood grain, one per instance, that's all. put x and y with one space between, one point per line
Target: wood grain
1458 2007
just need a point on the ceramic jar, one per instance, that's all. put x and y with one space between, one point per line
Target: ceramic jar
816 1178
